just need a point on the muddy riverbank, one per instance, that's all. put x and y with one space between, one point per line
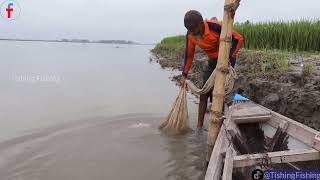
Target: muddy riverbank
288 83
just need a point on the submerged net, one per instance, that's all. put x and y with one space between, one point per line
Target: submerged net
177 120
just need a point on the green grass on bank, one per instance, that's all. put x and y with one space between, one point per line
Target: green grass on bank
267 46
172 44
301 35
289 36
262 62
308 68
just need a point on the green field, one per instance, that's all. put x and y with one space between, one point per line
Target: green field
289 36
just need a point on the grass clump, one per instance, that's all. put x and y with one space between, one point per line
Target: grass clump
308 68
172 44
263 62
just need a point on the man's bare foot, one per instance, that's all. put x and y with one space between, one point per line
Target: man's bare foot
201 128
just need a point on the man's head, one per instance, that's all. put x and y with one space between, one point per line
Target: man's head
193 22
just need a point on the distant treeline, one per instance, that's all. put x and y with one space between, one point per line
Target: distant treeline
100 41
76 41
301 35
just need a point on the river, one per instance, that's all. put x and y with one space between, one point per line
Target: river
90 111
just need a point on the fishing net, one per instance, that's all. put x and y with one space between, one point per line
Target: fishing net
208 86
177 120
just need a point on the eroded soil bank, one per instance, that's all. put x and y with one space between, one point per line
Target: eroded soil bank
288 83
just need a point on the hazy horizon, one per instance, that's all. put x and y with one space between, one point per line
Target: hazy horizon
140 21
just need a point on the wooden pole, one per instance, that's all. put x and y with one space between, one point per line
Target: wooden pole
221 72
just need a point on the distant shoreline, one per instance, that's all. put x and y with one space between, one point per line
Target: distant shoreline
118 42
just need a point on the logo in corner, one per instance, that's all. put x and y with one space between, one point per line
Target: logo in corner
257 174
10 10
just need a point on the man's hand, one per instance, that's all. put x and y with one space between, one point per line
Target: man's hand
182 81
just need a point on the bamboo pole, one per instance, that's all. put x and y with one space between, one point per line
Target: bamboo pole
221 72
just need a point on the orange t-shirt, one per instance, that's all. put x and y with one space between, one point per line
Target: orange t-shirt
209 42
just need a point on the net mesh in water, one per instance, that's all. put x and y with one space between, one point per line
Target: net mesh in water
177 120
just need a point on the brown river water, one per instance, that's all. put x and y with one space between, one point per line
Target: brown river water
90 111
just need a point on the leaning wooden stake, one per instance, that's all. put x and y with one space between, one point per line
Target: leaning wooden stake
221 72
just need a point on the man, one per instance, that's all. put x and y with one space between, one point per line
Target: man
205 34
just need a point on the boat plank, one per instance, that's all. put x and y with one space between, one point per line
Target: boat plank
251 119
216 159
276 157
228 165
248 110
297 130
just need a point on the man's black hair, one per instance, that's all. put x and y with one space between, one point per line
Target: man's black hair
192 18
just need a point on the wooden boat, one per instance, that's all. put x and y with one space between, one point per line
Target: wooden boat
232 153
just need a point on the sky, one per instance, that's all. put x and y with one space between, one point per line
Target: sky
145 21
